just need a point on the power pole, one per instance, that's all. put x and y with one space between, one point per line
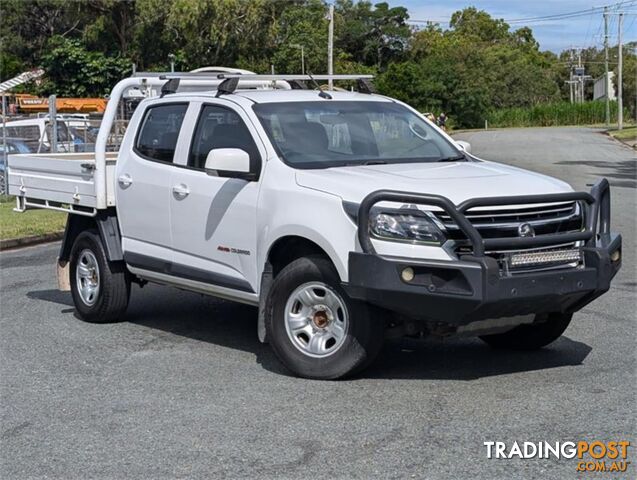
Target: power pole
53 119
606 79
5 189
573 82
570 76
330 48
620 100
581 81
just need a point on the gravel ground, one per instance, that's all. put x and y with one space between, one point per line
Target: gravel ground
183 389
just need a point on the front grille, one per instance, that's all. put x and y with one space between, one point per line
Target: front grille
505 223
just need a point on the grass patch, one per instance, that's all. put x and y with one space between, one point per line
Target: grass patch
628 135
553 115
31 222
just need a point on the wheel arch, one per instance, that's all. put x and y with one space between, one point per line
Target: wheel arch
105 222
288 248
281 252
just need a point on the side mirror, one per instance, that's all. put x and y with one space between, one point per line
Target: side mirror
466 146
231 160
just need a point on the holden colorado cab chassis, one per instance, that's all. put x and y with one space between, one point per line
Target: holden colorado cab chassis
345 217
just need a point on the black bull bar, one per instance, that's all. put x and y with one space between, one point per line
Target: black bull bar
596 205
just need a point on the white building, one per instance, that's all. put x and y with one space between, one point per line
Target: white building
601 87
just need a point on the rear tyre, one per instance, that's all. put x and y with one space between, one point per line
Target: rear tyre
314 328
100 288
532 336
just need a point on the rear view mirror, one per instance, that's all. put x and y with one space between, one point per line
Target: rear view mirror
227 160
332 119
418 131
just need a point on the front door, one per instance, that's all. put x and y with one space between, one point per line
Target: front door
142 186
213 216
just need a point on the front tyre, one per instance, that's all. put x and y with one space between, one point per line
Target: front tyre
315 329
100 288
532 336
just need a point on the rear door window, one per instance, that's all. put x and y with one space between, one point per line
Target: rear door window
157 137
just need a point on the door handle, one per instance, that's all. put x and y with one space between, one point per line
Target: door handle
125 180
181 191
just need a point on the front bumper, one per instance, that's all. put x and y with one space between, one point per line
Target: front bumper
461 292
473 287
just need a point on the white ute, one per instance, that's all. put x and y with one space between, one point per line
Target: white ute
347 217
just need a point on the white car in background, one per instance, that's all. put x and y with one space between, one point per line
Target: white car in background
37 132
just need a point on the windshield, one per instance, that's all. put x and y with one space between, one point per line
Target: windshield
335 133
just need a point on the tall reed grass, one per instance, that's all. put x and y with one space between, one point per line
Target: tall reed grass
554 114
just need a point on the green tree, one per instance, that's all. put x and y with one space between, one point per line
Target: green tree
10 66
304 25
26 26
72 71
113 20
215 32
372 36
478 25
152 41
476 66
411 83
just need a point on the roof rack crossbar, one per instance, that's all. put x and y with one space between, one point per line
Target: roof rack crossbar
242 76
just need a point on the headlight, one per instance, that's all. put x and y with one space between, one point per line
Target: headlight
406 227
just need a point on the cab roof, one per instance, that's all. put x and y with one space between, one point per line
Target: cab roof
277 96
274 96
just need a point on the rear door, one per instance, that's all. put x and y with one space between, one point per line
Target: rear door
142 187
213 214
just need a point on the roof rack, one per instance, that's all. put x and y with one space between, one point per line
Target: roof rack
230 81
244 76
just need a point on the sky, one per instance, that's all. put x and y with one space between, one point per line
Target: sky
555 35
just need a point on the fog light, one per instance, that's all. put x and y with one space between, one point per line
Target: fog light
615 256
407 274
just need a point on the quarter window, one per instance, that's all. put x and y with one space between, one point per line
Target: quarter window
220 127
158 135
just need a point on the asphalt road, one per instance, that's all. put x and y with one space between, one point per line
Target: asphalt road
183 389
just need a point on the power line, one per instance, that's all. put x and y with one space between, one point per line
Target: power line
557 16
578 13
598 35
588 28
545 18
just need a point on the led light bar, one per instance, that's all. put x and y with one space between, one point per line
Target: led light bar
540 258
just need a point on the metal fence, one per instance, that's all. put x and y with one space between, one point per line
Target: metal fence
71 133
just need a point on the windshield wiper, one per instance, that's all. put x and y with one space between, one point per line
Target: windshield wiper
375 162
360 164
453 159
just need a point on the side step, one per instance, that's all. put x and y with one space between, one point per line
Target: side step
23 204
